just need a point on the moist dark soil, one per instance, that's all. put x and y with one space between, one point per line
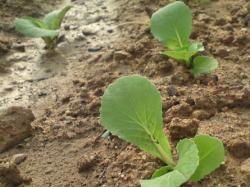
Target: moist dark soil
102 41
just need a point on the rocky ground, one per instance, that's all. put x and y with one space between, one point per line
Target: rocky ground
104 40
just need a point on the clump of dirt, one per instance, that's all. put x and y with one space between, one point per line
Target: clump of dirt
108 39
15 126
10 175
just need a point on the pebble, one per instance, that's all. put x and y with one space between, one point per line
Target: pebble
121 55
200 114
18 158
86 162
172 91
239 148
94 49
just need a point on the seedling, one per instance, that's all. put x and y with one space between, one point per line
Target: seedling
47 28
131 109
172 25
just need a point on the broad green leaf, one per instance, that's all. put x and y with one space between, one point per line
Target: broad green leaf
172 25
203 65
31 29
186 166
211 155
55 18
185 53
131 109
161 171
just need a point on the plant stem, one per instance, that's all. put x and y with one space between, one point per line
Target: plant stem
163 154
165 157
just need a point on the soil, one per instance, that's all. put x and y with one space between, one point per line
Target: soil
104 40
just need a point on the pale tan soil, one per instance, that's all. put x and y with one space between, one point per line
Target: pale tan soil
64 89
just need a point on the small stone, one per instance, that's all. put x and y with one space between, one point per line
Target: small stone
221 52
73 27
88 31
69 135
110 31
11 175
183 128
18 158
66 27
9 89
66 99
80 37
227 39
239 148
164 66
181 76
86 162
203 17
172 91
200 114
181 110
42 94
221 22
121 55
95 49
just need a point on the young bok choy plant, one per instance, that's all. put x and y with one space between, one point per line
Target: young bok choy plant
172 25
47 28
131 109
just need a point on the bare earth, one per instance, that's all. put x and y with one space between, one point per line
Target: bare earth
103 41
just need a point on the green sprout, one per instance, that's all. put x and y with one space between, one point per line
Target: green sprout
47 28
131 109
172 25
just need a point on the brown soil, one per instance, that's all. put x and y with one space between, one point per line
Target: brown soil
103 41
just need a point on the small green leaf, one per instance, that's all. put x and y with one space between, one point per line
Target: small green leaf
55 18
172 25
36 22
186 166
131 109
185 53
198 47
180 54
161 171
211 155
203 65
31 28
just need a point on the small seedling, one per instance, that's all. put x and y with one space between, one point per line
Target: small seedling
172 25
131 109
47 28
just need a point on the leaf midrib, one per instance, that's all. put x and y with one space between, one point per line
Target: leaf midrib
209 152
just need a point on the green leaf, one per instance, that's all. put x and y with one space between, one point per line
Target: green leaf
203 65
197 46
55 18
185 53
180 54
172 25
186 166
131 109
211 155
31 28
39 23
161 171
